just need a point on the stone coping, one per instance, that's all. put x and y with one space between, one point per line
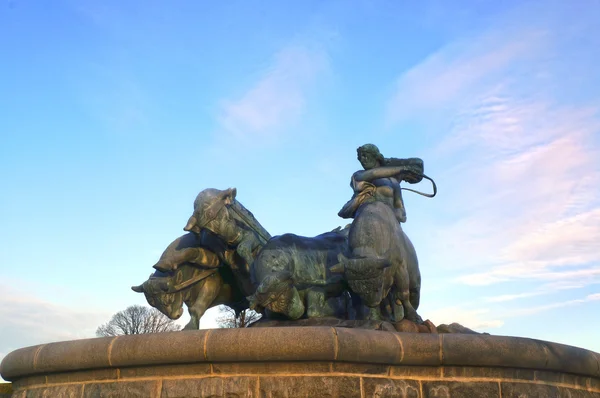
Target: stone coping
299 344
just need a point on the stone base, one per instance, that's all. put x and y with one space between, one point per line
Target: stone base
303 362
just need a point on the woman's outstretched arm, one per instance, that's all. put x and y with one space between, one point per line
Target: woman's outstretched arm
380 172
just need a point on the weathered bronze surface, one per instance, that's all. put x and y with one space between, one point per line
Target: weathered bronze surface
382 266
191 273
367 271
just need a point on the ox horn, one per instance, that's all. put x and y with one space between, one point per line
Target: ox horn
190 224
138 289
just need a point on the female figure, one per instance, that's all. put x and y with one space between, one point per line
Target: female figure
384 175
381 257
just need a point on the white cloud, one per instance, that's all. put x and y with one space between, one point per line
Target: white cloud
553 250
525 204
458 70
521 160
594 296
546 289
516 312
510 297
279 97
516 158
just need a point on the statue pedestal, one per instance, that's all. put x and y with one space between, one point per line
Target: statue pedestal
303 362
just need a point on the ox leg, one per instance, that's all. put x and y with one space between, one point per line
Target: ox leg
397 309
403 293
315 303
277 293
369 277
318 305
375 314
207 292
359 310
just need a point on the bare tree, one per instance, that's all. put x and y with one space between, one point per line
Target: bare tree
228 319
137 319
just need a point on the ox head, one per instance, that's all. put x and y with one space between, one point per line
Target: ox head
170 304
207 206
277 293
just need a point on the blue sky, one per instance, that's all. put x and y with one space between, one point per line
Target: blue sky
114 115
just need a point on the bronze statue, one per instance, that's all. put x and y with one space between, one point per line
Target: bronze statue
371 159
294 276
194 275
366 272
219 212
376 237
289 274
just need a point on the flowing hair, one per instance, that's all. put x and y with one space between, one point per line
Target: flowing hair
415 168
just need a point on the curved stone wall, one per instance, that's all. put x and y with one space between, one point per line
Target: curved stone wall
303 361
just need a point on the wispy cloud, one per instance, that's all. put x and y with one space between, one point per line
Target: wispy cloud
546 289
532 205
511 297
535 310
279 97
520 161
543 252
457 71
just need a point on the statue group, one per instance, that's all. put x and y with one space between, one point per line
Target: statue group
365 272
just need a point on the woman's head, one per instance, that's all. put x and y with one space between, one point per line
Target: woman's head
369 156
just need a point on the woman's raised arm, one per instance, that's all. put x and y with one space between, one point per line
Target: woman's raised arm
379 172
